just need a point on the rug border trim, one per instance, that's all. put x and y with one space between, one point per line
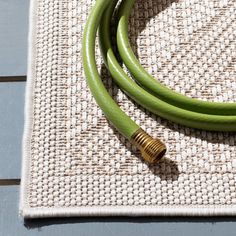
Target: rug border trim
28 110
134 211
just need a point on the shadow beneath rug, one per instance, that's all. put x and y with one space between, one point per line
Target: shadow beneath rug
39 223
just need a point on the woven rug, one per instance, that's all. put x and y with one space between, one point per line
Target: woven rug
76 164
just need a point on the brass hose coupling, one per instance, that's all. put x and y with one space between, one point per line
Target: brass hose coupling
152 150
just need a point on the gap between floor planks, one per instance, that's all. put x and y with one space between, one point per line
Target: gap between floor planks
9 182
12 78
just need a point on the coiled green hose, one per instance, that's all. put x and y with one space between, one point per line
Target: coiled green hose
151 94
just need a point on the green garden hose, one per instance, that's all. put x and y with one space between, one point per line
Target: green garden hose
148 92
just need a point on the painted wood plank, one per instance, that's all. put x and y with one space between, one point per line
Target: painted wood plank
12 225
11 128
13 37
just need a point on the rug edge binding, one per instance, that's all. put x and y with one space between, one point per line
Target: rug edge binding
28 110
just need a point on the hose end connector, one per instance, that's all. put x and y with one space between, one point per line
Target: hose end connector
151 149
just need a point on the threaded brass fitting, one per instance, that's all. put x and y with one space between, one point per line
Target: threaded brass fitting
151 149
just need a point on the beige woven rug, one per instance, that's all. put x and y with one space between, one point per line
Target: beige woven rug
76 164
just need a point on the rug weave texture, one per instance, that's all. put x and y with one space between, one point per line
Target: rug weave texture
76 164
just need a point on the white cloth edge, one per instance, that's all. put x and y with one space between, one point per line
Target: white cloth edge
28 112
134 211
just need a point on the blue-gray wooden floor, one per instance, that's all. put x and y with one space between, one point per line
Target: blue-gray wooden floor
13 50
